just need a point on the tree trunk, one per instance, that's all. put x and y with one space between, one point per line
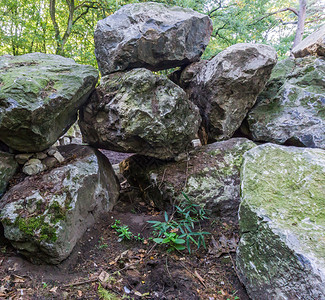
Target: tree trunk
301 22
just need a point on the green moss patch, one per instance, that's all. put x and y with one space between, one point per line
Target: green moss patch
287 185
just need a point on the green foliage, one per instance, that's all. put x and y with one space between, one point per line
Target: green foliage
105 294
261 21
123 230
178 233
101 244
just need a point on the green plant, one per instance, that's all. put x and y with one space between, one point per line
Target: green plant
105 294
138 237
123 230
173 240
179 231
101 244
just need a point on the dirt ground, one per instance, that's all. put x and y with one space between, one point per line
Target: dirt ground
103 267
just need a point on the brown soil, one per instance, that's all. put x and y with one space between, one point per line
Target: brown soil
103 267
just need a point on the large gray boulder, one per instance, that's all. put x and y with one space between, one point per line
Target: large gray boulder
45 215
140 112
208 175
226 87
281 254
291 109
314 44
150 35
40 95
8 167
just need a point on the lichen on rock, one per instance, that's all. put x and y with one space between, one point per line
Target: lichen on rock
291 109
282 220
140 112
40 95
208 175
47 214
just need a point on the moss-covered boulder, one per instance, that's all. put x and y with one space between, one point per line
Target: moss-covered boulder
140 112
281 254
291 110
8 167
40 95
209 175
45 215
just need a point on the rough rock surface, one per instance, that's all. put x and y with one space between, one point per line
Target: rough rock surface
281 254
33 167
45 215
291 110
39 98
140 112
226 87
314 44
150 35
209 176
8 167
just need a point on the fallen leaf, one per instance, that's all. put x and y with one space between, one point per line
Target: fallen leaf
79 293
103 277
54 290
18 279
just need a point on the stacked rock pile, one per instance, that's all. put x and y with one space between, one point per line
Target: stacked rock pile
277 189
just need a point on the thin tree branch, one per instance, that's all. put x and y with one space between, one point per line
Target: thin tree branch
274 13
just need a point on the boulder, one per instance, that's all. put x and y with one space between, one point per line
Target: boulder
281 254
45 215
314 44
291 109
150 35
138 111
40 95
8 167
209 176
226 87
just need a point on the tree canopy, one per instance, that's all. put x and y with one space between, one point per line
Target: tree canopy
66 27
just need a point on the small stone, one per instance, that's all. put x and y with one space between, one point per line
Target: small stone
180 157
196 143
58 157
49 162
76 141
40 155
52 150
23 157
33 167
65 141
